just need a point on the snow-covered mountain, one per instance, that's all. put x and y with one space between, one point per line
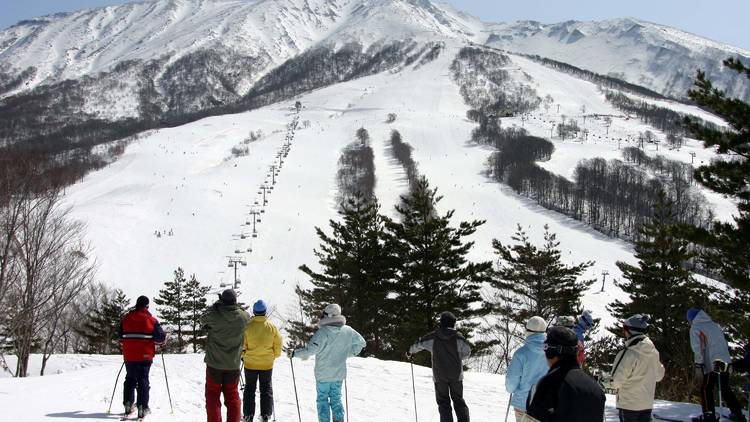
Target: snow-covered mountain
658 57
63 46
71 45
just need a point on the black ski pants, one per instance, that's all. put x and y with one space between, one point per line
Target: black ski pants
444 393
252 379
136 379
634 415
707 393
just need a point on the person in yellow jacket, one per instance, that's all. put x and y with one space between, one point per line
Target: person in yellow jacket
262 345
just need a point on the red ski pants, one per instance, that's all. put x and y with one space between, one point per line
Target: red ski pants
220 382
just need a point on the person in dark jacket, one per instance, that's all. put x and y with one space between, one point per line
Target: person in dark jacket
139 333
566 393
449 349
225 326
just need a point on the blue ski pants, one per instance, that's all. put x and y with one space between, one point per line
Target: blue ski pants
329 401
136 379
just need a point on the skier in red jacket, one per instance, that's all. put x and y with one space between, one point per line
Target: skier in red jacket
140 332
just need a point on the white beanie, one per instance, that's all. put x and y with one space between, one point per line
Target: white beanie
536 325
332 310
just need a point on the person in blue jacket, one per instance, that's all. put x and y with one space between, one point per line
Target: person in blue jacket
527 367
580 326
332 345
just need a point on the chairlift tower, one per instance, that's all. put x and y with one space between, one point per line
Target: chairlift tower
256 219
604 278
274 173
235 262
265 190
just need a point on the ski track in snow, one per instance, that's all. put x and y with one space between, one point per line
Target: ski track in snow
79 387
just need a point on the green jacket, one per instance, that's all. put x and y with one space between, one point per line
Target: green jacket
225 326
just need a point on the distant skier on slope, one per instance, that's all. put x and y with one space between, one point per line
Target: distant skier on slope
711 356
332 345
566 393
635 372
225 325
528 366
139 334
448 348
261 346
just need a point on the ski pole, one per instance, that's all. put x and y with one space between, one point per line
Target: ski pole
413 390
507 410
166 380
109 410
346 400
294 381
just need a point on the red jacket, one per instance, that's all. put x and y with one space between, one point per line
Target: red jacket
139 334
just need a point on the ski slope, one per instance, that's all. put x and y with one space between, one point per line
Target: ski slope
184 180
79 387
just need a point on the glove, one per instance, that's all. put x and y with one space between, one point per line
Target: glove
290 353
408 355
698 370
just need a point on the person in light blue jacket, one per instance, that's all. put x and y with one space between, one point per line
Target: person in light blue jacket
332 345
527 367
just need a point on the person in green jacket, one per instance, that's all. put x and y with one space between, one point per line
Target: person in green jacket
225 325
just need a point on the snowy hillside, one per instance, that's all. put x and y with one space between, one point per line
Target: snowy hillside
80 388
180 180
658 57
69 46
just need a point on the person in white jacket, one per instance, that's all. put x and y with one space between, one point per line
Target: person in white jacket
711 357
635 372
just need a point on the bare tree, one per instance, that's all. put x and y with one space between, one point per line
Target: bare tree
54 268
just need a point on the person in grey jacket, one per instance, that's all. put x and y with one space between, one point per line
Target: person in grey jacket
449 349
711 357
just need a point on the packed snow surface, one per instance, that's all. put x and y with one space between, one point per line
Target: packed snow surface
177 197
79 387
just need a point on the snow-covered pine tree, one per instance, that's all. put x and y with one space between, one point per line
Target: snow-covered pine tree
100 330
356 271
726 243
433 272
173 308
533 281
659 285
195 304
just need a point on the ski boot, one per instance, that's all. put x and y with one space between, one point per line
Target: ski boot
128 410
247 418
142 412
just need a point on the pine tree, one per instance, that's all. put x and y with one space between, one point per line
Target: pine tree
433 272
726 244
101 329
660 286
173 302
533 281
356 272
195 306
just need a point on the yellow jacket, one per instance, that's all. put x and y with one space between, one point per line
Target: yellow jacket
262 344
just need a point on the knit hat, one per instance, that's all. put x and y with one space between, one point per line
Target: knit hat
259 308
565 321
637 323
561 341
447 320
332 310
141 302
228 297
691 313
535 325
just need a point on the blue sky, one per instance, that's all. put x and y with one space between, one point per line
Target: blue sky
721 20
